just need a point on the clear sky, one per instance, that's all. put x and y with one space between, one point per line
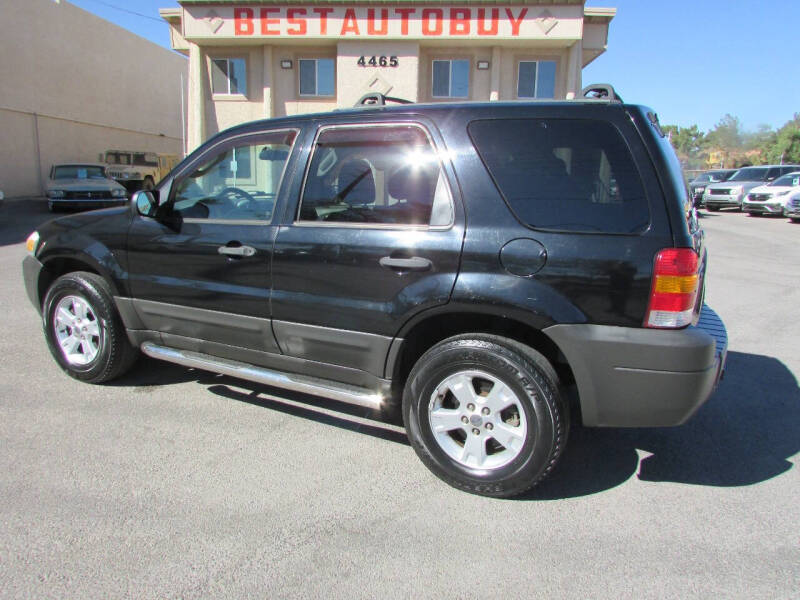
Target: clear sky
691 60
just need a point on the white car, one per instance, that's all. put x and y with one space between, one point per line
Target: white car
771 199
82 185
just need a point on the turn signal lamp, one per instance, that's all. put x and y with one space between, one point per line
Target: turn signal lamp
675 286
32 242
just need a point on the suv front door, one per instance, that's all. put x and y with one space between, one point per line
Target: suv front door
200 271
374 238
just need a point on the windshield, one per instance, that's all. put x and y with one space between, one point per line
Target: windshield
79 172
118 158
790 180
711 177
750 174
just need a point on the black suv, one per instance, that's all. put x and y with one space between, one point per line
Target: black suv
489 273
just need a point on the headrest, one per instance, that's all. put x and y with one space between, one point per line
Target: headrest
413 183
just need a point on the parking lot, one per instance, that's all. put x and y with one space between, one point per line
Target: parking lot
177 483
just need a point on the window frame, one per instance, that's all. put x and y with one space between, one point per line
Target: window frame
297 222
468 60
224 146
316 60
537 61
228 93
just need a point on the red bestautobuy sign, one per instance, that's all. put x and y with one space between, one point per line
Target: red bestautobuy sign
383 22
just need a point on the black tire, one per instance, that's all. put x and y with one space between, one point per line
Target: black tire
535 386
148 183
753 214
115 355
713 208
794 220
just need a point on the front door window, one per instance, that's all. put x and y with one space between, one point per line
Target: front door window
238 183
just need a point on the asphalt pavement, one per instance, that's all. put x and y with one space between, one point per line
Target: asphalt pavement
178 483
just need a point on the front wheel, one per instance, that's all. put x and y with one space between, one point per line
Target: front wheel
83 330
713 208
485 414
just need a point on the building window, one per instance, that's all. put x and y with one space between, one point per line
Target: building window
317 77
536 79
450 78
229 76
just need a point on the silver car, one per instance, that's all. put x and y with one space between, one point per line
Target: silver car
731 193
82 185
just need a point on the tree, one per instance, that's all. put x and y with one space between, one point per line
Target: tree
785 144
763 137
689 142
727 135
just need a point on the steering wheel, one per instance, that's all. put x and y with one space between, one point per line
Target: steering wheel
235 198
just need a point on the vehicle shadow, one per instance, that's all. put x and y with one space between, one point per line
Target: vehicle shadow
743 435
150 374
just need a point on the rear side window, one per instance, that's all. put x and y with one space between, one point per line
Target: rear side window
382 175
564 174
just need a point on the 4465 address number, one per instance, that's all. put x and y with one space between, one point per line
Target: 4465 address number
378 61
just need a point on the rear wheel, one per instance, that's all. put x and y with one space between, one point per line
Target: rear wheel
713 208
83 330
485 414
754 214
795 220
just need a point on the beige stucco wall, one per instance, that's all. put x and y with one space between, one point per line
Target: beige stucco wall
353 81
75 71
18 163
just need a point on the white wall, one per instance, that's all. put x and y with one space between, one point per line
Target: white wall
92 85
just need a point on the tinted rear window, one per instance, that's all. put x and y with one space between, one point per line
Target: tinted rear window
564 174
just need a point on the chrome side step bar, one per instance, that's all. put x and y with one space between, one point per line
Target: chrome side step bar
287 381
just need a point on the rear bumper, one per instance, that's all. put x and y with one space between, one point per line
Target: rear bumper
636 377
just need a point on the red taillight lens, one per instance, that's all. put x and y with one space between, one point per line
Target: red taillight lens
675 286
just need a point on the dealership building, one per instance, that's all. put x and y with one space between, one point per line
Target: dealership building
251 60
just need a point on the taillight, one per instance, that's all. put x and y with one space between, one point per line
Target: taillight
675 286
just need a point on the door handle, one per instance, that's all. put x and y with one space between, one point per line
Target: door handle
415 263
237 250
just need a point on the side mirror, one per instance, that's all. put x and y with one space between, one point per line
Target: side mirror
146 203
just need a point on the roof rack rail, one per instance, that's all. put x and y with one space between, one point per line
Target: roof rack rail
376 98
601 91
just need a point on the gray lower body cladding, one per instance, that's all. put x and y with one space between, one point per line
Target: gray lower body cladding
631 377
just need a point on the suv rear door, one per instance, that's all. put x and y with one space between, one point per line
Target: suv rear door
373 236
573 191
